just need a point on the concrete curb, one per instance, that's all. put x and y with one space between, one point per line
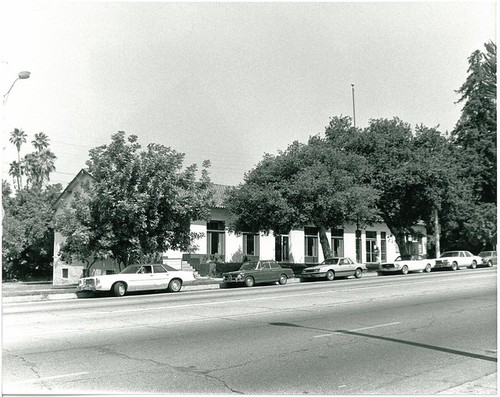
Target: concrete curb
43 296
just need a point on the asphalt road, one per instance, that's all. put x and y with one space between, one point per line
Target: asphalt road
414 334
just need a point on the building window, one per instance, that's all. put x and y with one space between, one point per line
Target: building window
64 273
311 244
216 238
281 248
251 246
338 242
371 247
383 246
359 255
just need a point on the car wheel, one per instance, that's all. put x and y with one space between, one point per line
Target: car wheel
454 266
490 263
473 265
428 268
330 275
358 273
404 270
175 285
283 279
119 289
249 281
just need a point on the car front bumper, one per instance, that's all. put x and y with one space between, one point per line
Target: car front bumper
389 270
442 266
312 276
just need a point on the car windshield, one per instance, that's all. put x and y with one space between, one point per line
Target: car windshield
248 266
449 254
331 261
131 269
404 258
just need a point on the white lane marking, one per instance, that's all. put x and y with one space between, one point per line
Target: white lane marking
323 336
359 329
374 326
46 378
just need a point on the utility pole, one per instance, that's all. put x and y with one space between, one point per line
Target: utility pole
353 107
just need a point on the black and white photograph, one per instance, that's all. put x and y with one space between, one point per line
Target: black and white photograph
261 198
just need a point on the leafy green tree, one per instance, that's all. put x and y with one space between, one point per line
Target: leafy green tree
28 235
436 178
141 203
308 184
476 130
386 146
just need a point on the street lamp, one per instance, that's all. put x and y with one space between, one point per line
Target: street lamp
353 107
21 76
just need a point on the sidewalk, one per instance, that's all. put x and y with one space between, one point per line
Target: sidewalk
14 292
44 290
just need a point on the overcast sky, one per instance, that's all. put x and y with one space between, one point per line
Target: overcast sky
230 81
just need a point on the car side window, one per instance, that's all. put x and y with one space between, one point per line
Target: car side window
159 269
265 266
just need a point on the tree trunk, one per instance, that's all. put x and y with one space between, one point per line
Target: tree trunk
325 244
400 241
437 235
87 270
398 234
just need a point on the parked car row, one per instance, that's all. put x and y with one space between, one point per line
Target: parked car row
164 277
453 260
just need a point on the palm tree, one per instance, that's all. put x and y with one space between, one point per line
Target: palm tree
18 137
38 166
31 166
15 172
46 164
41 141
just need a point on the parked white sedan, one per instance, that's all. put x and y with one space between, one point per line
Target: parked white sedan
333 268
138 278
456 259
405 264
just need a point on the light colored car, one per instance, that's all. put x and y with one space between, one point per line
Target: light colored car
489 258
333 268
455 260
406 263
138 278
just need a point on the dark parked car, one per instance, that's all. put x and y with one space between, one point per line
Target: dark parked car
489 258
260 272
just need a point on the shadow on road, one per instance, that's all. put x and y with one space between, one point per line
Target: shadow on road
394 340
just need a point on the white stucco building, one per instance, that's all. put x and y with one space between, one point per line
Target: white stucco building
369 245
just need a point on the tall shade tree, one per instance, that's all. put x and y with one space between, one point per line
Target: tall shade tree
436 170
309 184
141 203
476 130
386 145
17 138
28 235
